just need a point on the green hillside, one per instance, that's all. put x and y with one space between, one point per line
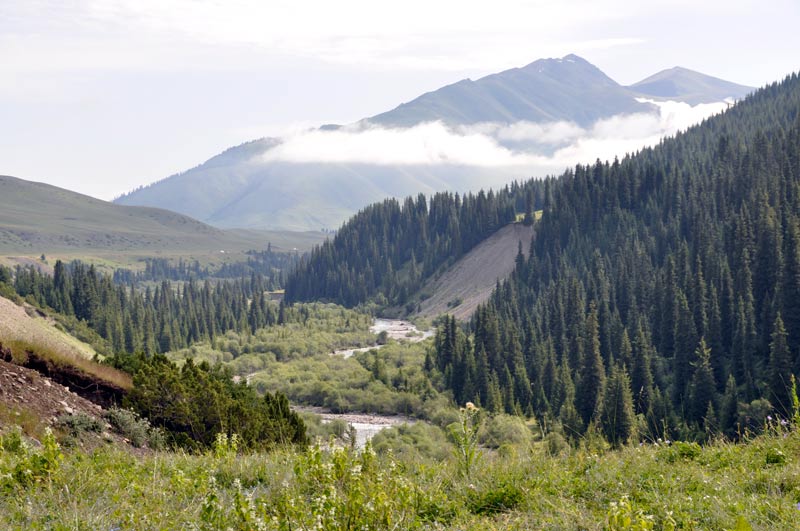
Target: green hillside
37 218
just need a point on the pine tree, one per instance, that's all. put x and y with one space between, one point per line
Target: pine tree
729 414
592 376
702 389
641 372
780 370
617 418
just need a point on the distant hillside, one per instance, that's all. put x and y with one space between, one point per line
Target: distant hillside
37 218
241 188
248 193
687 85
26 324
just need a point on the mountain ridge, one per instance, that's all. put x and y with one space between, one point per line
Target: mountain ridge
240 188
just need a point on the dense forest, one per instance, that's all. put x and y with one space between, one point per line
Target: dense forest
662 290
157 320
385 252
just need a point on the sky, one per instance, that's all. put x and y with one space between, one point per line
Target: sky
103 96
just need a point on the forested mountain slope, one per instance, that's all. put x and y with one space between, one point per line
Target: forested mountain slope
386 252
665 284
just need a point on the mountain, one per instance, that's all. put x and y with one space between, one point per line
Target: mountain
689 86
546 90
37 218
246 188
238 190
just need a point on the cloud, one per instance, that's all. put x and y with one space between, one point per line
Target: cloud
532 147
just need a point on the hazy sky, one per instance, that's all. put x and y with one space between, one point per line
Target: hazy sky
102 96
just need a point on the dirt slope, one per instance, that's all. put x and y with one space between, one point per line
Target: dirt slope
469 282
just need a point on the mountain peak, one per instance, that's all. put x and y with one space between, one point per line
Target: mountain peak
547 90
689 86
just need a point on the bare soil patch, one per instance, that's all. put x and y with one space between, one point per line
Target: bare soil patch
469 282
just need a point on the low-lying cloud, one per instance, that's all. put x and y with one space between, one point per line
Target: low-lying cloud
535 147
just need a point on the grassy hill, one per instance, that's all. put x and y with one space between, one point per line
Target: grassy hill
543 485
25 324
37 218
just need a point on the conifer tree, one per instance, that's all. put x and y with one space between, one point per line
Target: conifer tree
780 370
617 418
702 389
592 376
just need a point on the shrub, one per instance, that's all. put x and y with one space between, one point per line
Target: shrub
496 499
135 428
555 443
505 429
78 424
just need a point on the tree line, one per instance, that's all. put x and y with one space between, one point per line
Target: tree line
193 403
273 266
156 320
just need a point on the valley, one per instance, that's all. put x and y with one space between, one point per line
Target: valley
535 299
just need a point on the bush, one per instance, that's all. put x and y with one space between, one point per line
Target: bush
78 424
135 428
555 443
497 499
505 429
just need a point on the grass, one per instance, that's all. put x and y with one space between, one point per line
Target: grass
37 218
724 486
24 323
20 350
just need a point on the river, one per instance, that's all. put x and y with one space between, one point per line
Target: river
396 329
367 425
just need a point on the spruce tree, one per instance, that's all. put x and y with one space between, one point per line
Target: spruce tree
780 370
592 376
702 389
617 418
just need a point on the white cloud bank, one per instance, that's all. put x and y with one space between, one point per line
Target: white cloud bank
536 147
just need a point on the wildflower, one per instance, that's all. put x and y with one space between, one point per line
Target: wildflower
797 506
784 422
769 417
471 406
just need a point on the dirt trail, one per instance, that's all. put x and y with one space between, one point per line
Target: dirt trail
469 282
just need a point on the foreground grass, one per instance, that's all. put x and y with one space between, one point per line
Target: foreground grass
755 485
